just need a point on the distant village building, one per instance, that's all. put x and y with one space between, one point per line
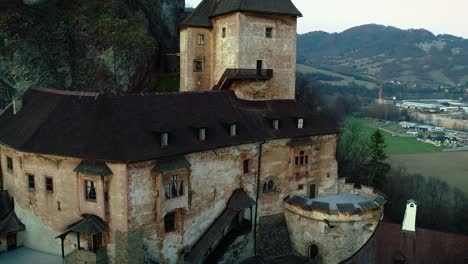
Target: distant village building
229 168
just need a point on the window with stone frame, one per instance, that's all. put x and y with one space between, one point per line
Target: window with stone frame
269 186
174 188
170 222
90 191
9 164
201 39
302 159
198 66
31 183
49 184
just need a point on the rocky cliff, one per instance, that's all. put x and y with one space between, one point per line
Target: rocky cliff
110 46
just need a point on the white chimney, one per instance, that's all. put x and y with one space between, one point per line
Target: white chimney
409 221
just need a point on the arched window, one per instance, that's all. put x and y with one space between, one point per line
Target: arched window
269 186
313 251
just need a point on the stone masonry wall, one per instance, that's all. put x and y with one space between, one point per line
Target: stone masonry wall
46 214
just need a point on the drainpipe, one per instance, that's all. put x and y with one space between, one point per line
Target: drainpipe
258 193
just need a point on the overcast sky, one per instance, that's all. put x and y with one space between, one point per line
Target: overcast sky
438 16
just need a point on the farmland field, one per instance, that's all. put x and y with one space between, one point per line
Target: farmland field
451 167
400 145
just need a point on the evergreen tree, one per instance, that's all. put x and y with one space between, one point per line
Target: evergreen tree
377 167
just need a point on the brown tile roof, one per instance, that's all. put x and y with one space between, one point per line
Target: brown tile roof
389 244
127 128
201 17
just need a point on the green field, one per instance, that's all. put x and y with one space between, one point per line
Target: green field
451 167
347 80
400 145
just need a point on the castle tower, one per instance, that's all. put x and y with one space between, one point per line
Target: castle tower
409 220
245 46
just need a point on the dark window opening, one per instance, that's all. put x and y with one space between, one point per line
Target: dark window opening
169 222
31 182
201 39
49 185
175 188
90 190
317 147
269 32
224 32
246 166
313 251
300 187
198 67
302 159
269 187
9 164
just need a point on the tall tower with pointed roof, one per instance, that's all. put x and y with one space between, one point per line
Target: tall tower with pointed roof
245 46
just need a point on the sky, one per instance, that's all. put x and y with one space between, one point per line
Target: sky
438 16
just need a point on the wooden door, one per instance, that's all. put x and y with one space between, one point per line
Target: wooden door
11 241
97 241
312 191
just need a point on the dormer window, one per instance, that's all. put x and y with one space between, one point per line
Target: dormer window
300 123
164 139
269 32
202 134
233 130
275 124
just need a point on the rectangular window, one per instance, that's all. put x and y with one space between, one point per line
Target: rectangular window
276 124
49 184
31 182
201 39
9 164
164 139
170 222
90 190
202 134
198 67
300 187
233 130
175 188
302 159
269 32
246 166
300 123
317 147
224 32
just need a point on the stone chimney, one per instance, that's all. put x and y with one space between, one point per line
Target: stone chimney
17 105
409 221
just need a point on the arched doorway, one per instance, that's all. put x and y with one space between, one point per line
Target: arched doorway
313 251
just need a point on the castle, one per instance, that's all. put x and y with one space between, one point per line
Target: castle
229 168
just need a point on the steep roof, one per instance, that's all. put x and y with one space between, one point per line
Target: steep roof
127 128
9 222
201 17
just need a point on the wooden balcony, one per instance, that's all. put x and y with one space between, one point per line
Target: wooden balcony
231 75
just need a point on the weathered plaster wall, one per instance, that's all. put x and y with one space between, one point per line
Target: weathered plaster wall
341 238
226 50
190 50
45 214
277 53
208 184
